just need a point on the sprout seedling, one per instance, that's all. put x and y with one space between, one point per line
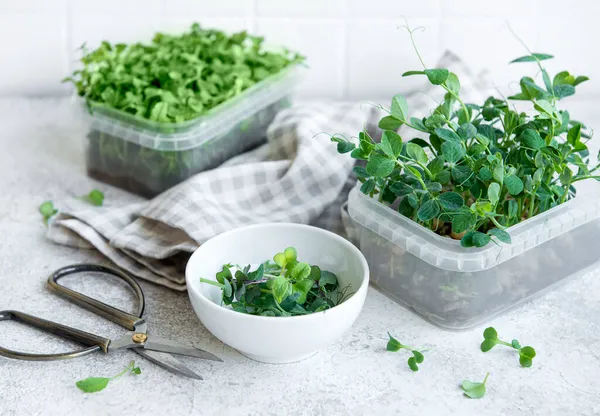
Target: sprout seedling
474 390
394 345
96 384
47 210
95 197
490 340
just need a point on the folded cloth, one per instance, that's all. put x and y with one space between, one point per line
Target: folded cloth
298 176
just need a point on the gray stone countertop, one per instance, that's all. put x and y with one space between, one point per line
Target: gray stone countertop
41 158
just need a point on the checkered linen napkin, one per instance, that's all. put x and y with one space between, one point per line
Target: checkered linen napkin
298 176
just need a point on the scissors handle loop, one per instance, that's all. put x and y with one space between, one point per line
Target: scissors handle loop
93 342
126 320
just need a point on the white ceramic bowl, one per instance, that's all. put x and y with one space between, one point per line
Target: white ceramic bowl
277 339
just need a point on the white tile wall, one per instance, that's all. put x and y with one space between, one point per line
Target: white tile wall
355 48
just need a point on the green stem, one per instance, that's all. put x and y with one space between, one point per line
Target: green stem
496 223
486 377
581 178
419 179
211 282
129 367
266 291
508 344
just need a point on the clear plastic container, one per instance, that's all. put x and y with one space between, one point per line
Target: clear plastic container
458 288
148 157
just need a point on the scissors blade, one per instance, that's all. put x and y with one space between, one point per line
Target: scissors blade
155 343
168 362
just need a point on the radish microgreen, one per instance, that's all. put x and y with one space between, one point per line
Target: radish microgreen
474 390
96 384
490 340
485 167
47 210
282 287
95 197
394 345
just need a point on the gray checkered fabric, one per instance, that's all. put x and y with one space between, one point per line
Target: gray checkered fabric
298 176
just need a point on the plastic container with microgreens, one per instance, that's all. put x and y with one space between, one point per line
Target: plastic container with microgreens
158 114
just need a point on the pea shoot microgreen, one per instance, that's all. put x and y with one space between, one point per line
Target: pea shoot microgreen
47 210
474 390
95 197
417 357
176 77
484 167
96 384
490 340
282 287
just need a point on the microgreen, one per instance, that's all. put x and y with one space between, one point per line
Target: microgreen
474 390
484 167
490 340
96 384
282 287
176 77
47 210
95 197
417 357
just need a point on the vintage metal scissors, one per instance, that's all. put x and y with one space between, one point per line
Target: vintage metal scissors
156 349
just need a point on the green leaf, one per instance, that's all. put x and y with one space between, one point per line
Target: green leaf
500 235
136 370
412 364
409 73
531 138
467 240
401 189
47 210
391 143
562 91
545 107
227 289
451 201
447 135
485 174
417 123
280 259
453 151
533 57
462 175
494 193
434 187
436 165
380 165
480 239
526 355
487 345
513 208
514 184
416 152
498 172
428 210
579 80
300 271
393 344
467 131
345 146
574 135
93 384
290 254
328 280
390 123
474 390
419 358
95 197
437 76
490 333
368 186
399 108
302 287
280 288
453 83
462 222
